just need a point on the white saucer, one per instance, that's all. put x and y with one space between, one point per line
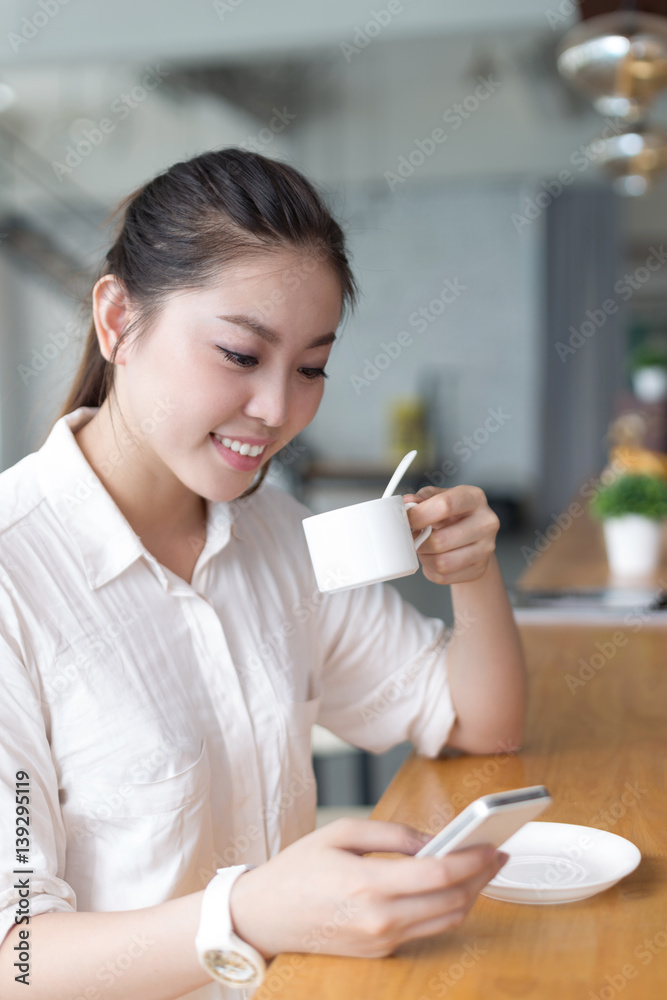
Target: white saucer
560 862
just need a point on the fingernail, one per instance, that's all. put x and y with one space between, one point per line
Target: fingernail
502 857
424 837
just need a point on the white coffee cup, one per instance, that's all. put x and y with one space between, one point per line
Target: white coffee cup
364 543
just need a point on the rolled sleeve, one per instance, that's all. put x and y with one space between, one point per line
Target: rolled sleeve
384 677
24 747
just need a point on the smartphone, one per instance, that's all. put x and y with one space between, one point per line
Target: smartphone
491 819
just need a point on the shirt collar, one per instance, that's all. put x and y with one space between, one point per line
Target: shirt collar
105 539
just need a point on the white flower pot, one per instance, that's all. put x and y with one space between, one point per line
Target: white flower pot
633 544
650 383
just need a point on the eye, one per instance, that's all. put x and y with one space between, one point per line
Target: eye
249 361
242 360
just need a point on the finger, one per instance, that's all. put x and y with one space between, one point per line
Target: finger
437 925
464 576
458 560
411 876
361 836
409 913
480 525
455 502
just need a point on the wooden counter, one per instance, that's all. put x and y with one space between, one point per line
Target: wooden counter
600 747
573 555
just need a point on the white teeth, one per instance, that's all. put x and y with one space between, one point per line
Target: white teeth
243 449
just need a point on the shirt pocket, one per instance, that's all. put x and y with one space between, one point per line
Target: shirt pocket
149 798
150 836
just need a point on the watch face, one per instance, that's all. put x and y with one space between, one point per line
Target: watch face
231 967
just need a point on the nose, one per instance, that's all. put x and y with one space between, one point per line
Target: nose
269 401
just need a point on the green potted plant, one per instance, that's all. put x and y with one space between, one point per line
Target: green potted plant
648 371
632 509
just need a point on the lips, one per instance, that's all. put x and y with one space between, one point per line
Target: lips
235 458
241 446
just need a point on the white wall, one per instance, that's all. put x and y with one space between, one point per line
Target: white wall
405 247
392 94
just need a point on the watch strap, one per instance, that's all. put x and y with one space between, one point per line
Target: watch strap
224 955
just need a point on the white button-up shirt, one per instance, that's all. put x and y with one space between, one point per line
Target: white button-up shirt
165 726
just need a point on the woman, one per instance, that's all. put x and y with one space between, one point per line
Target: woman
165 650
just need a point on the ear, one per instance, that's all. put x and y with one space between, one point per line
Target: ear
111 314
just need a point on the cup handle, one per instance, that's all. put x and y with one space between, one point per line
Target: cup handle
427 530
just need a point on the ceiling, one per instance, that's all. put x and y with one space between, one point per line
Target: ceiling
188 30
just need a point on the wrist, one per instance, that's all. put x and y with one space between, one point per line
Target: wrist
488 578
243 918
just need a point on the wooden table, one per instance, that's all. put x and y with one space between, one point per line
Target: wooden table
574 556
601 750
597 738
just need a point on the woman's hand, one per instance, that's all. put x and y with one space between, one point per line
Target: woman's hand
320 895
464 532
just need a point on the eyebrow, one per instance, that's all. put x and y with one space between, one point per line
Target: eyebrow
270 335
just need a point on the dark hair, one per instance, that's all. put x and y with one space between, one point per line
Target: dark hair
183 227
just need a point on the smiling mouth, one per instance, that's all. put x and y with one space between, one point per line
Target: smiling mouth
242 448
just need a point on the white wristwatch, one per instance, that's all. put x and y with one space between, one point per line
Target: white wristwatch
222 953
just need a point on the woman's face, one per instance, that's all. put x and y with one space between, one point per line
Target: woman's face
231 367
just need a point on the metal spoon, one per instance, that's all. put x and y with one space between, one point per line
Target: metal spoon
401 469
